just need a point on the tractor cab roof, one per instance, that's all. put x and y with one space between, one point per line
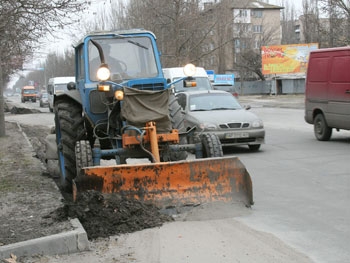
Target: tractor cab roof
115 33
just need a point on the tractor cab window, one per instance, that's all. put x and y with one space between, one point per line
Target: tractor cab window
127 58
80 66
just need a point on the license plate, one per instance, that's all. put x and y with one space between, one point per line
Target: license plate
236 135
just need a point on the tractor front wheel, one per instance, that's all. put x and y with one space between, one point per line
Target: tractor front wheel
211 145
83 155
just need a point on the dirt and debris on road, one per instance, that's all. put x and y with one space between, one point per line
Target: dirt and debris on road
32 207
105 215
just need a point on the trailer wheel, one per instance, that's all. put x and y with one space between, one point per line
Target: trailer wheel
177 122
69 124
83 155
211 145
321 129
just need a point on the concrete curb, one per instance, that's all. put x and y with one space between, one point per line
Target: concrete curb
62 243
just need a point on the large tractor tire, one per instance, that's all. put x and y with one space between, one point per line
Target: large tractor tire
211 145
70 128
177 122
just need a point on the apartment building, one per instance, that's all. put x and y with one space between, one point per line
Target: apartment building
243 27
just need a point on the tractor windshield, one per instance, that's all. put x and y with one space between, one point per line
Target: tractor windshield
127 58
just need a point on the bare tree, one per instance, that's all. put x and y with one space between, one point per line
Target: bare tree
337 27
288 24
22 23
180 26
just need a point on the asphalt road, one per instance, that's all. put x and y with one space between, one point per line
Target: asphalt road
301 186
301 193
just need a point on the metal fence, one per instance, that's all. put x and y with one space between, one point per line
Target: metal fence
275 86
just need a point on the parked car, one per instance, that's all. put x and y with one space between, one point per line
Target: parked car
219 112
226 87
44 100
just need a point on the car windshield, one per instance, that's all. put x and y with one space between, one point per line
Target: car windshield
44 95
126 57
29 91
212 101
61 87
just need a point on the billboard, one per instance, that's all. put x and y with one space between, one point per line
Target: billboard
284 59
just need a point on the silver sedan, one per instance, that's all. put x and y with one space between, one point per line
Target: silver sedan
219 112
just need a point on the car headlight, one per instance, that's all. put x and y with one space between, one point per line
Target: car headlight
103 73
207 126
257 124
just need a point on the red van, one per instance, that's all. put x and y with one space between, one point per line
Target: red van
327 91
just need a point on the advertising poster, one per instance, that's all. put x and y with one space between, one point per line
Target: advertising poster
284 59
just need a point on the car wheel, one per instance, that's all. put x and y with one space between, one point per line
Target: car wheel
254 147
321 129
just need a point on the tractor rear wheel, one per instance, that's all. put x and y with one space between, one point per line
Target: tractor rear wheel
211 145
177 122
70 128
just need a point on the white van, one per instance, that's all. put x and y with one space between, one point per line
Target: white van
201 78
56 86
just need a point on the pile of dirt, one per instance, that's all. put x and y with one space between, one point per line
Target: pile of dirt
101 215
22 110
105 215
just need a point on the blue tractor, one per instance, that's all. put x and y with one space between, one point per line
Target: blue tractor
121 107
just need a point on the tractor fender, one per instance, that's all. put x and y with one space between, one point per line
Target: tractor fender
69 94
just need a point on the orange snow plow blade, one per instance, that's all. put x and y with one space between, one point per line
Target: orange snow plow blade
168 184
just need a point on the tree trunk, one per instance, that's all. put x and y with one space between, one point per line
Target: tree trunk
2 104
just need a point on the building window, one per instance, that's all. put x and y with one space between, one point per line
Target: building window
211 47
257 44
212 60
243 13
257 13
237 43
257 28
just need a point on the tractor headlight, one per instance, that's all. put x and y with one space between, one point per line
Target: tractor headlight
103 73
190 70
